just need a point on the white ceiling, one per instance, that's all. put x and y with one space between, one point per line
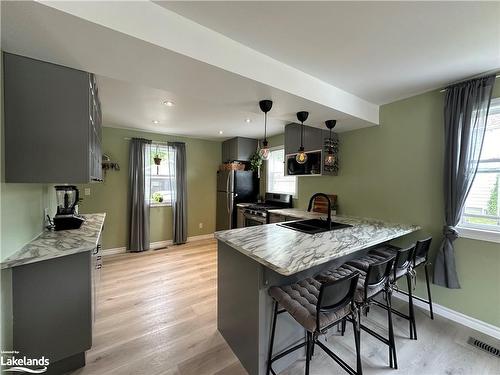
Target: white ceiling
128 105
144 54
379 51
136 76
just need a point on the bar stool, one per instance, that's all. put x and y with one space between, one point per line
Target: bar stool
317 307
402 267
420 258
371 283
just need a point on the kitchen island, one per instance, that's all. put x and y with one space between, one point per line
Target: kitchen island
254 258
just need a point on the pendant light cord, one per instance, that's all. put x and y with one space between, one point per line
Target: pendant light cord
302 134
265 126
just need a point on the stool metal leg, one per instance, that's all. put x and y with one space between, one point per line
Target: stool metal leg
428 290
343 326
308 351
393 362
357 332
271 343
413 326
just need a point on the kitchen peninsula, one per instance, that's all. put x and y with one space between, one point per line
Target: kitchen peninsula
252 259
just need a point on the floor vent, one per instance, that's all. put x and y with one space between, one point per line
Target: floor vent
483 346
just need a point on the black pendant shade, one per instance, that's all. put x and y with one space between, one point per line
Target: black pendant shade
265 105
302 116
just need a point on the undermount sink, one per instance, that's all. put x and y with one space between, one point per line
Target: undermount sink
313 226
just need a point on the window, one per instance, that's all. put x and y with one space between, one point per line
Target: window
162 175
482 208
277 182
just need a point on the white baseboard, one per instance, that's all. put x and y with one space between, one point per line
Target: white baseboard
476 324
157 245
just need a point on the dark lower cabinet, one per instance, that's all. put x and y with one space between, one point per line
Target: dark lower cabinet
54 307
52 310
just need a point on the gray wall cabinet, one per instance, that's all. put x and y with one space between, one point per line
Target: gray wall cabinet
52 123
238 148
313 138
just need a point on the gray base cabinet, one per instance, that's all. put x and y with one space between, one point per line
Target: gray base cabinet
52 310
52 123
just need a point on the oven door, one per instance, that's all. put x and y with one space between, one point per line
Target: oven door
253 220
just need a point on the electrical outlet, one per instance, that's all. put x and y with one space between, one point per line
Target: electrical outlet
87 191
200 225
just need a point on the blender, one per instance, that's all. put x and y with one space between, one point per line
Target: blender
67 210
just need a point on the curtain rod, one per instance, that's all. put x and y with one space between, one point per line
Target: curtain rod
468 79
159 142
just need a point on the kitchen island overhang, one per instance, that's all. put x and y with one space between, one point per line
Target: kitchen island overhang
254 258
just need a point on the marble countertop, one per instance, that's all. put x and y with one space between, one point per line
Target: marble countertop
52 244
287 251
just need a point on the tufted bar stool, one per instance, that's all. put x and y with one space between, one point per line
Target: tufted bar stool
371 283
420 259
317 307
402 267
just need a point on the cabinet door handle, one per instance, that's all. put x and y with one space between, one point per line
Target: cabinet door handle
98 267
99 257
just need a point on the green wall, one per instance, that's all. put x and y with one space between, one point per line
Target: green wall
203 158
395 172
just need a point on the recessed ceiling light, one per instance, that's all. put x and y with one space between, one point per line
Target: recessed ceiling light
247 120
221 132
169 103
156 122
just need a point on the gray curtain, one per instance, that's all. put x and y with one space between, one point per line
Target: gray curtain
465 114
179 205
139 191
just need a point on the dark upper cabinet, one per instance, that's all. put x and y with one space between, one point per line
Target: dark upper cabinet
52 123
312 140
238 148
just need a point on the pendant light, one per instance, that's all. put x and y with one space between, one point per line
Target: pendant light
265 106
301 156
330 157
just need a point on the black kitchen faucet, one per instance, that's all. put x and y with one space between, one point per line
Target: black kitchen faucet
329 219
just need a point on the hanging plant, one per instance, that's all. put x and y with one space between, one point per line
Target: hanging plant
256 162
157 160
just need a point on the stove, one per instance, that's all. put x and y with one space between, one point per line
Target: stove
257 214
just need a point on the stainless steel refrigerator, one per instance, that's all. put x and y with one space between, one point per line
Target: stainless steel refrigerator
234 187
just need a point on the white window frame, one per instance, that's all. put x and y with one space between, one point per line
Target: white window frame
153 203
479 232
295 194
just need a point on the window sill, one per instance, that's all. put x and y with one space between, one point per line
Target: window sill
479 234
160 205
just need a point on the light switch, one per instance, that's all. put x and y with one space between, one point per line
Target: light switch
87 191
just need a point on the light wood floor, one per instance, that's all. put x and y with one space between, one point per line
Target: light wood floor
157 315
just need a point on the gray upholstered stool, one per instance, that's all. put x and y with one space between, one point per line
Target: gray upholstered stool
317 307
372 282
402 267
420 258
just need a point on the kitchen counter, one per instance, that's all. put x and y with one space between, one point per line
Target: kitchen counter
287 251
52 244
